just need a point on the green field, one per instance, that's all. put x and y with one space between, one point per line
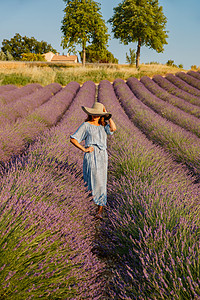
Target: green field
21 73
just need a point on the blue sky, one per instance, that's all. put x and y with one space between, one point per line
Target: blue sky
42 20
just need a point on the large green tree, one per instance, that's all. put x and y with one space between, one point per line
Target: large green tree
18 45
83 24
140 21
95 55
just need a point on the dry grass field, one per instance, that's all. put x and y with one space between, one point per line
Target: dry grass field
22 73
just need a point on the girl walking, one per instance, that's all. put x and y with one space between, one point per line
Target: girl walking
94 132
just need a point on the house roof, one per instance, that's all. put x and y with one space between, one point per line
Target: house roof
64 58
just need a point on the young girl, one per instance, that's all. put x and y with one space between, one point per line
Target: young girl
95 163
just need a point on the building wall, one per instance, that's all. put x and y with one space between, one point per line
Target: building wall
48 56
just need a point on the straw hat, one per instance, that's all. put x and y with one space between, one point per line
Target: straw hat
96 110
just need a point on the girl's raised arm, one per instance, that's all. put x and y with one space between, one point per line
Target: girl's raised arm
111 122
112 125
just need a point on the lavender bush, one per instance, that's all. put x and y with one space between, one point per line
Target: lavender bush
194 74
183 145
7 87
14 138
51 112
25 105
172 89
189 79
46 231
166 110
152 222
183 85
12 95
45 193
155 89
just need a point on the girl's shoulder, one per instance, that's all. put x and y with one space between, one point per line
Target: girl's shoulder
84 124
82 127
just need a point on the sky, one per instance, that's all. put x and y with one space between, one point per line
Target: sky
42 19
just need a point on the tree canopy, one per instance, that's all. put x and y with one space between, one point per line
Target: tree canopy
18 45
32 57
83 24
131 58
6 56
140 21
93 55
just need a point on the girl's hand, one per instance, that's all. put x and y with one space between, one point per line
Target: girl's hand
104 109
89 149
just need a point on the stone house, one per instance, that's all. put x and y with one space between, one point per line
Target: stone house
52 57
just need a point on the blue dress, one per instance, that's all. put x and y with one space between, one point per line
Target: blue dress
95 164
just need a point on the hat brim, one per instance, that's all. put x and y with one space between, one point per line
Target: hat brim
92 112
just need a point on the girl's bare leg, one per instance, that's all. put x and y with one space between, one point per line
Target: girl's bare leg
100 210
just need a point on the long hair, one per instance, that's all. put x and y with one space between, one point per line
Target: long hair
101 120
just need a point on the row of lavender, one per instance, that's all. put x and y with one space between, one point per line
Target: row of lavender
10 93
182 144
180 91
153 212
186 82
166 110
24 105
47 222
162 94
14 137
194 74
7 87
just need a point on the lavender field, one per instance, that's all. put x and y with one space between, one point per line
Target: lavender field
147 246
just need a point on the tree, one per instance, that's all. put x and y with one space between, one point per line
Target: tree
33 57
171 63
9 56
18 45
6 56
2 56
131 58
140 21
82 24
102 55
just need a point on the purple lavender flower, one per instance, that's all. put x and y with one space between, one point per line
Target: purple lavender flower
176 140
183 85
174 90
7 87
153 211
166 96
150 211
194 74
12 95
164 109
194 82
45 198
25 105
13 138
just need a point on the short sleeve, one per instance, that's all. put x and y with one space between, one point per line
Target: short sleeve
80 133
107 129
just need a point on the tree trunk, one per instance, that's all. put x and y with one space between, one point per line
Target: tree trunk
83 63
138 53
